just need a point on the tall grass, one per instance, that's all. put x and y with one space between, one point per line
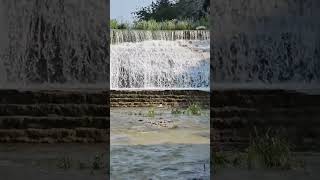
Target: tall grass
114 24
153 25
164 25
151 112
194 109
270 150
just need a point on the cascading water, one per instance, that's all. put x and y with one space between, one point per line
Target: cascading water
54 42
157 60
120 36
267 42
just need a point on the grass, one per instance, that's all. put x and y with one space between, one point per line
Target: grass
219 160
151 112
65 163
97 162
153 25
194 109
164 25
270 150
114 24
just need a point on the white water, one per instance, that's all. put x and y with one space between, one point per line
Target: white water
53 42
121 36
155 64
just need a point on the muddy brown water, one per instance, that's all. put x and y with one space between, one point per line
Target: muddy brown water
141 148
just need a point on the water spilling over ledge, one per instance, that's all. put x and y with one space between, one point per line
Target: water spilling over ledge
160 64
121 36
53 42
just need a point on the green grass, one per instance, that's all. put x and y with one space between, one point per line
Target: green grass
164 25
270 150
194 109
114 24
153 25
267 150
151 112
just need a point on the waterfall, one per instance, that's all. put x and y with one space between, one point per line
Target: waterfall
54 42
120 36
267 42
155 64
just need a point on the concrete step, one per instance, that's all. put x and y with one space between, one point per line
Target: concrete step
264 98
47 122
300 137
73 110
265 121
269 113
53 97
129 98
53 135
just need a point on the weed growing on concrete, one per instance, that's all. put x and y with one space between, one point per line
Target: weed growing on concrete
220 160
97 162
151 112
269 150
65 163
194 109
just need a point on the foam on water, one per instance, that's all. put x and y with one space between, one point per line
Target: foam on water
53 42
155 64
121 36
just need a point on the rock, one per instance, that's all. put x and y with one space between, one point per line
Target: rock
163 124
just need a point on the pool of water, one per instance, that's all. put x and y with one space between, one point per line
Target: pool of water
163 146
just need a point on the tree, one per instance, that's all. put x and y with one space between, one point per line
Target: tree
159 11
178 9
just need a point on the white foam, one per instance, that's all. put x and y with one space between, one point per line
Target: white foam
159 64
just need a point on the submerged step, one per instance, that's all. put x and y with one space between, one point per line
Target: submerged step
271 113
264 98
53 110
54 135
47 122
